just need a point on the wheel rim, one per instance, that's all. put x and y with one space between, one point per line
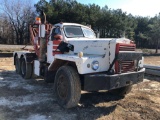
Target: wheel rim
23 67
62 87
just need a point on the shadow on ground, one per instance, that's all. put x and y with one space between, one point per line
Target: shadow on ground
152 77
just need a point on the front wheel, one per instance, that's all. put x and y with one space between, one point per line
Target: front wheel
67 87
121 91
26 69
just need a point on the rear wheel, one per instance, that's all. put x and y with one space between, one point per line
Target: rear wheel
121 91
26 69
67 87
17 65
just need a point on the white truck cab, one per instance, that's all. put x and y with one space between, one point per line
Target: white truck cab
73 58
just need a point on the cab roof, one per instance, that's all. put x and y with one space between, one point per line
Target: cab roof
74 24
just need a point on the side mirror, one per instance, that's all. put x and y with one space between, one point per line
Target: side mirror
42 30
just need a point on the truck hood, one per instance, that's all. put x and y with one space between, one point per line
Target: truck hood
96 46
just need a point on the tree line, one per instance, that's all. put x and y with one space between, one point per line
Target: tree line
110 23
15 17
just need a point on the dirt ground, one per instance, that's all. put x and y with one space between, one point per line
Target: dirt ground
152 60
34 99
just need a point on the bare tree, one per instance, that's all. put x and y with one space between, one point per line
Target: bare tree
19 14
6 34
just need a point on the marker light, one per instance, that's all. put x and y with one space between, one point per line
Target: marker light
38 20
80 54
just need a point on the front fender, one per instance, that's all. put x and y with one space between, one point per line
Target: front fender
83 64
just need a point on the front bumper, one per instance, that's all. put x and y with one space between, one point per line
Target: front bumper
108 82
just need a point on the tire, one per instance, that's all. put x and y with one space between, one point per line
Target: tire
121 91
17 65
49 76
26 69
67 87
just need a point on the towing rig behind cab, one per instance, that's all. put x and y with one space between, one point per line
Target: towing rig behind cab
70 55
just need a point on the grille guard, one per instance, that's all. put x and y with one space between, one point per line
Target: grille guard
128 56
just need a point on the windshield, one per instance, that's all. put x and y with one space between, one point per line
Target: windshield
88 33
78 31
73 31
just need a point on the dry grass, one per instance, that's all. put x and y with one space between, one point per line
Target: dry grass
11 48
152 60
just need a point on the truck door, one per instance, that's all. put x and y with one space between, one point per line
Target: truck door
54 41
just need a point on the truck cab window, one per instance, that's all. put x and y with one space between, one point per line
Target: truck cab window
55 31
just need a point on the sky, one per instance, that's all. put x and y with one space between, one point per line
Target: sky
135 7
145 8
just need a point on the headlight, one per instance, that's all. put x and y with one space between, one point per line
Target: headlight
95 65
